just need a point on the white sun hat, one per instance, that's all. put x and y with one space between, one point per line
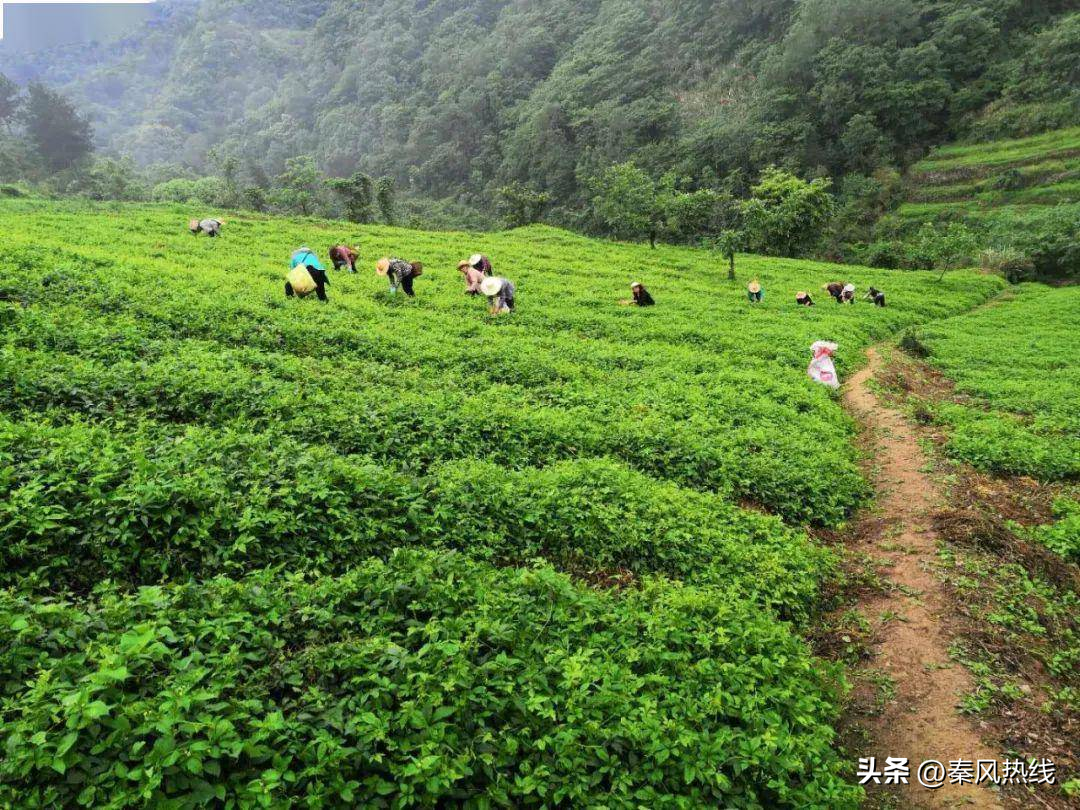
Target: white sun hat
634 284
491 285
475 259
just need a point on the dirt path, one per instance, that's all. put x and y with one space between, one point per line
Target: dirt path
911 645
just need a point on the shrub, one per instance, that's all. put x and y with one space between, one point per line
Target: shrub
423 681
84 506
1013 265
911 344
888 255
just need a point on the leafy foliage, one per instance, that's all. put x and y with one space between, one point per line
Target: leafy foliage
59 134
1017 362
264 551
421 680
786 216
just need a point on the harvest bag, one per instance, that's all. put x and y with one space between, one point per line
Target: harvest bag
821 368
301 280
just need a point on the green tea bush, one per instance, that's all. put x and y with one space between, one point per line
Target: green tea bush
1017 362
423 681
1062 536
415 504
85 506
664 391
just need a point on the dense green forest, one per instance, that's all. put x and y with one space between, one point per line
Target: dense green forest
501 106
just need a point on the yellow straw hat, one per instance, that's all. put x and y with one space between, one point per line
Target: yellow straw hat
754 287
382 266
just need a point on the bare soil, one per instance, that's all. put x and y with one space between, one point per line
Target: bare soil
910 639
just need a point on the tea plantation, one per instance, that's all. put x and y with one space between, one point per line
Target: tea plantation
1015 368
997 179
397 553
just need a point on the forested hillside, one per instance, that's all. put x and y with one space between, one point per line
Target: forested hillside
457 98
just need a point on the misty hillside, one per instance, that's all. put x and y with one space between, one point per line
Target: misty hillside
456 97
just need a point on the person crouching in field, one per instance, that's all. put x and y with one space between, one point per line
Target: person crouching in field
803 299
306 275
641 298
473 278
755 292
500 294
344 256
877 296
211 227
400 274
303 279
836 290
480 262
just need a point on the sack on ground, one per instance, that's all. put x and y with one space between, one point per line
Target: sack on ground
823 370
301 280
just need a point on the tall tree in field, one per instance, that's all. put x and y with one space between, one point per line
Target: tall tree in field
384 199
522 205
9 101
628 203
356 195
787 216
61 136
300 184
727 243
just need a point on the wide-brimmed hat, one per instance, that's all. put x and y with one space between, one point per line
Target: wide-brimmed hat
464 263
491 285
754 287
382 266
193 224
475 259
635 284
849 288
802 294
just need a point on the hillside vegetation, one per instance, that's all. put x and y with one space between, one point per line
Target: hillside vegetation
979 178
513 561
456 98
1017 363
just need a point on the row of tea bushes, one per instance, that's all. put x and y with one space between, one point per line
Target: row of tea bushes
804 476
85 505
426 680
1016 362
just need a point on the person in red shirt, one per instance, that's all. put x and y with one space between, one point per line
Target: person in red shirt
344 256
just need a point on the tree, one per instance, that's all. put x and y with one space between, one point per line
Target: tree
9 101
109 179
787 216
300 184
948 249
384 199
522 205
728 243
356 195
255 198
628 203
61 136
693 215
228 168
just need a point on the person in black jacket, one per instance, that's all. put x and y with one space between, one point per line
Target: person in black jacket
641 296
877 296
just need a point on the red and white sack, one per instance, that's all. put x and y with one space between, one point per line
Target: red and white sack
821 368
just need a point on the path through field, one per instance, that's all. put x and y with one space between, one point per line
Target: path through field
921 722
